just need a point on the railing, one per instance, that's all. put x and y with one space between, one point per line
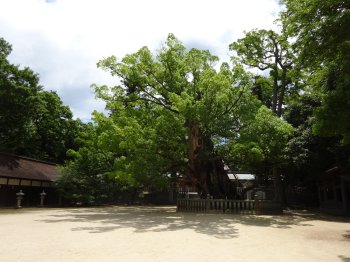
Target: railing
250 207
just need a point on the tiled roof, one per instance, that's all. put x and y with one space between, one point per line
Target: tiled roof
27 168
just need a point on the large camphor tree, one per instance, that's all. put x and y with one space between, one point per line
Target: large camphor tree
171 113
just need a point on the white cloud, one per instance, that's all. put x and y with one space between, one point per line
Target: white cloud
62 40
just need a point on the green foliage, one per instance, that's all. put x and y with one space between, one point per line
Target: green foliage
261 141
321 28
55 130
334 114
268 50
309 154
322 33
87 175
18 89
263 49
161 98
86 179
33 122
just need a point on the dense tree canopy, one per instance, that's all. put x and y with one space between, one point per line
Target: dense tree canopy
322 31
321 27
33 122
270 51
86 176
175 104
174 112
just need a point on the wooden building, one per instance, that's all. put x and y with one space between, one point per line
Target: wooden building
334 191
29 175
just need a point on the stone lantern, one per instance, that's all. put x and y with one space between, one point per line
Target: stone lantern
42 198
19 195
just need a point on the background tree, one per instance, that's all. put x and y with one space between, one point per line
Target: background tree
261 144
135 147
270 51
322 33
18 89
309 153
33 122
85 177
55 128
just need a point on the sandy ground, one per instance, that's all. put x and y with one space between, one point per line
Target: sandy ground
161 234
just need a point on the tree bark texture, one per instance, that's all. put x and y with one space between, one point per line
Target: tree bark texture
279 195
206 169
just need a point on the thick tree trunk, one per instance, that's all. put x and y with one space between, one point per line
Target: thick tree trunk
205 169
275 89
278 186
194 168
282 92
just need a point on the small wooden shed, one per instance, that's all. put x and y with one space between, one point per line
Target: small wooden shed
29 175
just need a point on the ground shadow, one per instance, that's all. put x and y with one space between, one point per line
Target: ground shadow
346 236
277 221
144 219
317 215
344 258
160 219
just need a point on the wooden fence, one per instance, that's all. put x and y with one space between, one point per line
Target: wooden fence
249 207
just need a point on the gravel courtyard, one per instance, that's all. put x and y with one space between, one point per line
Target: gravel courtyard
160 234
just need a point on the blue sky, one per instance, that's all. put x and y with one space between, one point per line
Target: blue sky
63 40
